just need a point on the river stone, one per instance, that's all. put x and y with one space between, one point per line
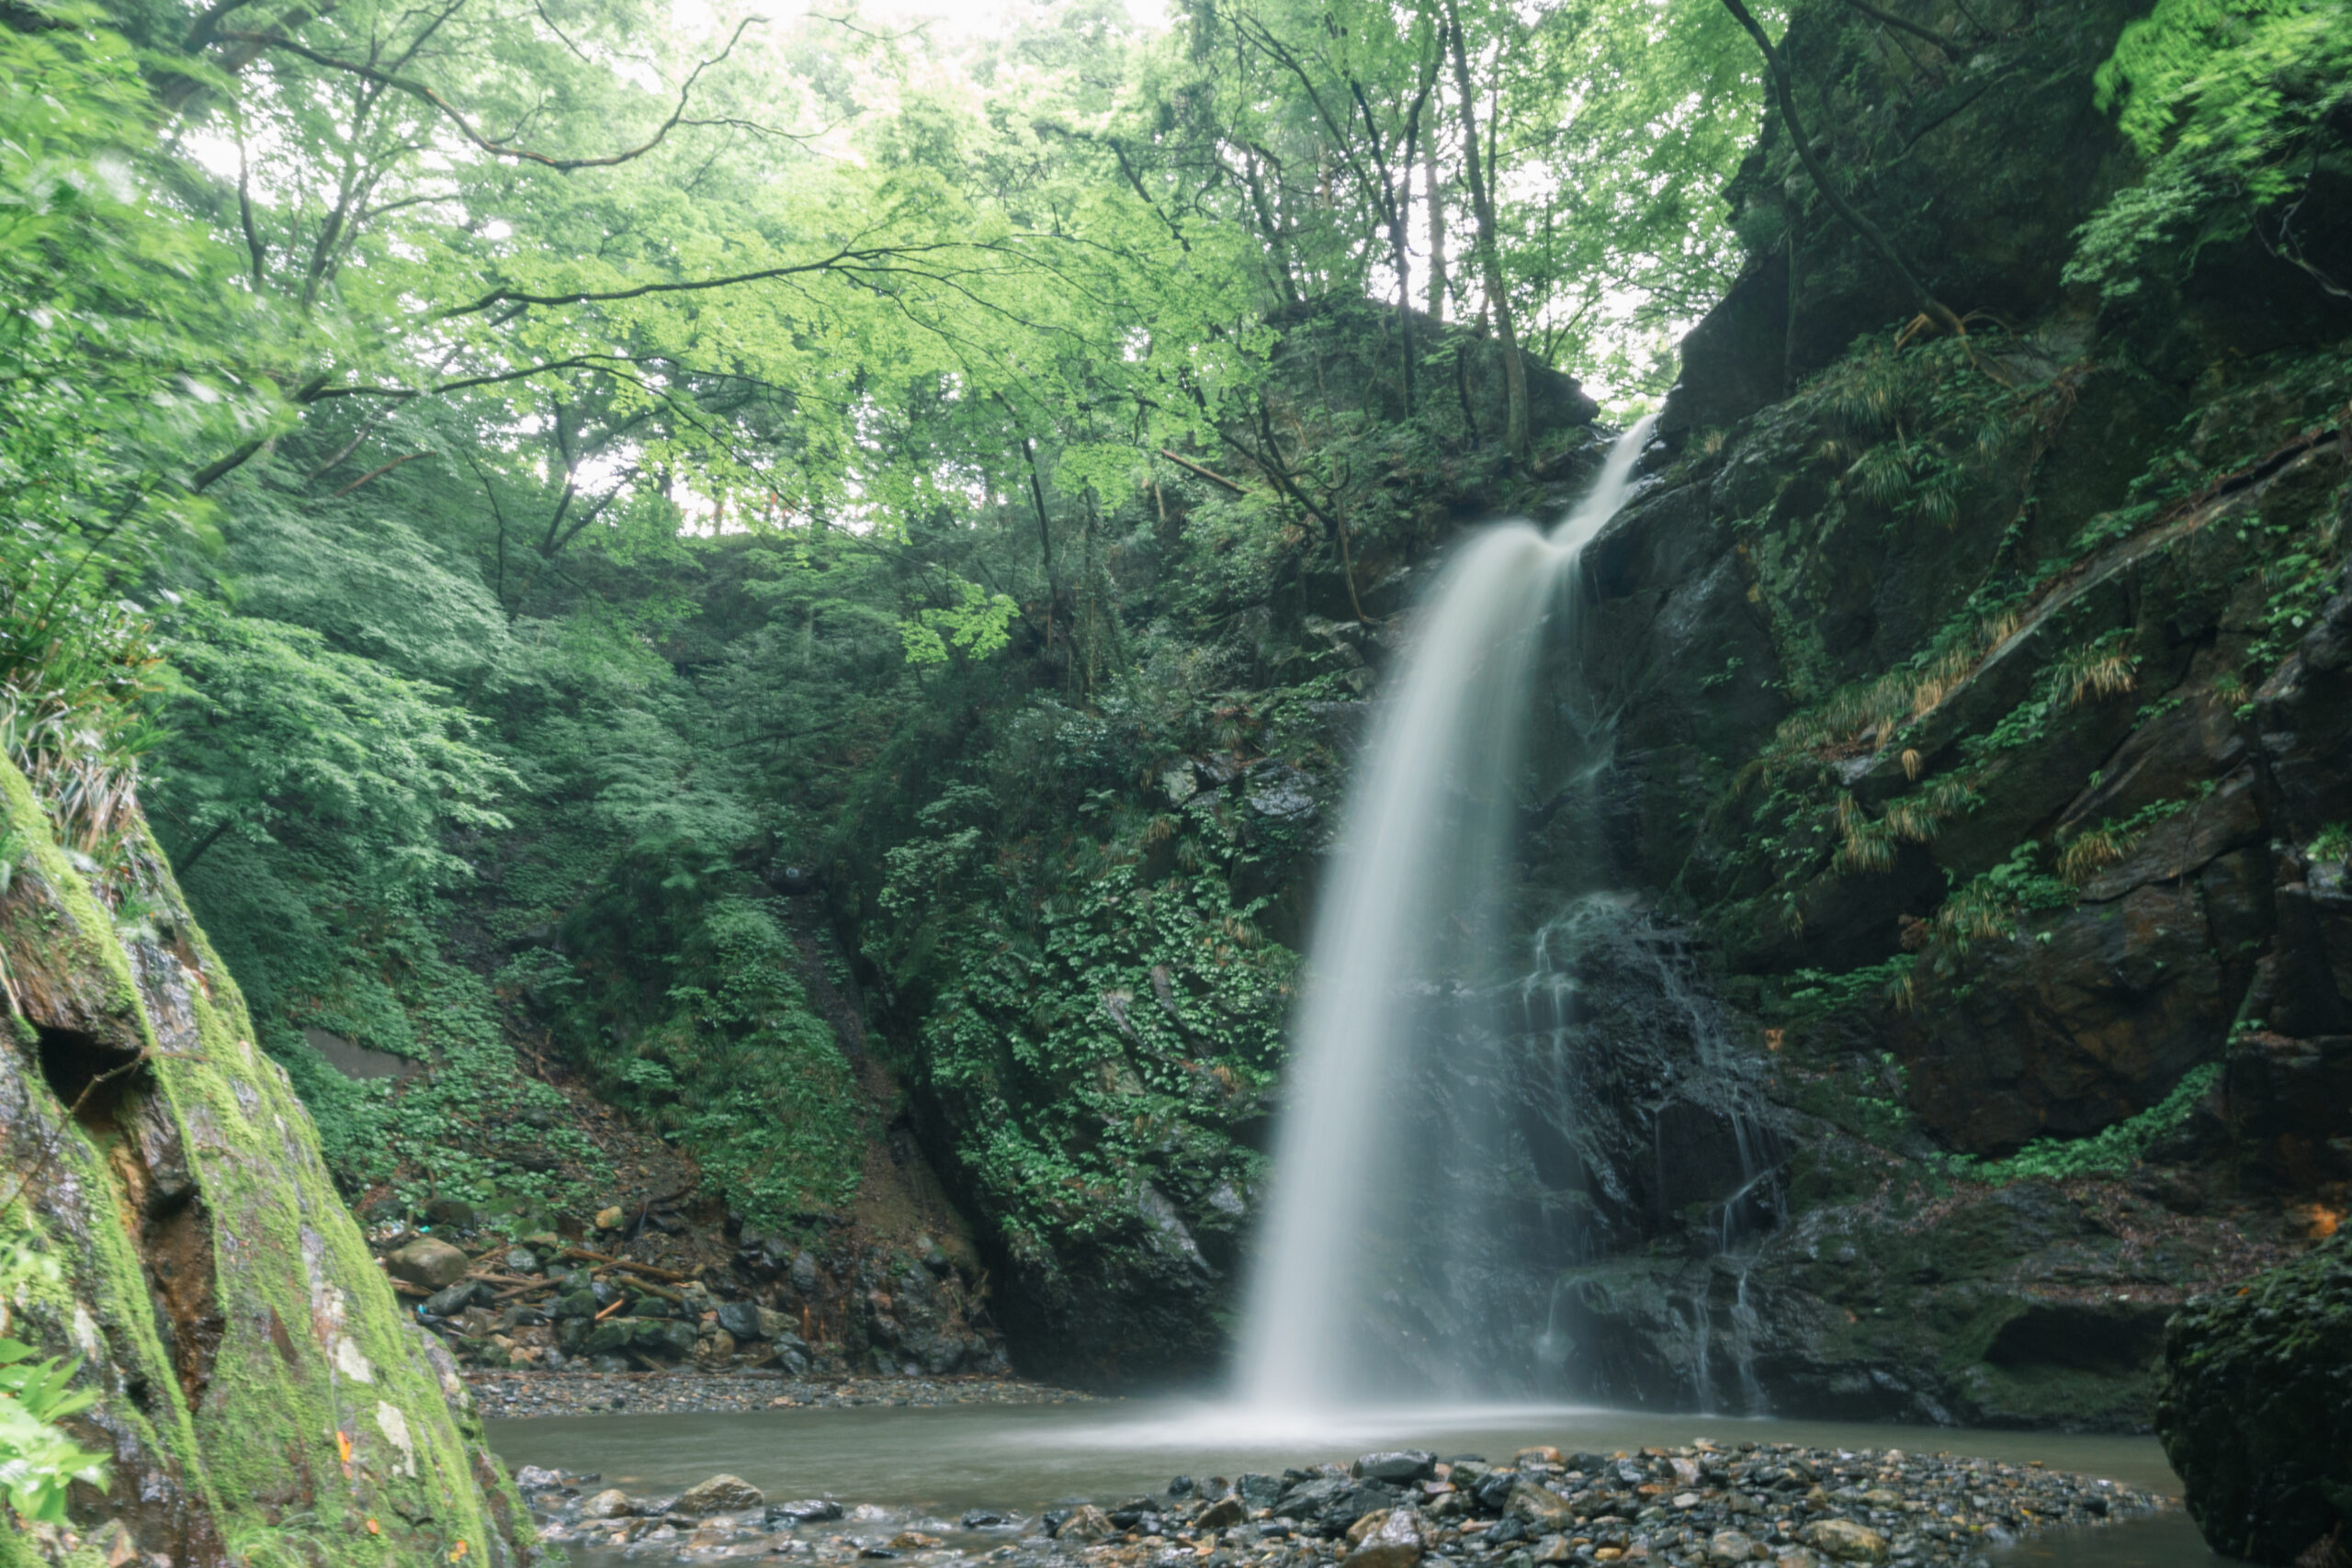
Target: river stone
1398 1467
1541 1455
612 1336
1389 1538
610 1504
1843 1541
1728 1547
451 1302
1540 1506
531 1478
429 1262
805 1511
1258 1490
522 1260
453 1212
1086 1524
719 1494
1557 1549
1223 1514
742 1319
656 1335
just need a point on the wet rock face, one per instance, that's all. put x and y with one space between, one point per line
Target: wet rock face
250 1363
2255 1410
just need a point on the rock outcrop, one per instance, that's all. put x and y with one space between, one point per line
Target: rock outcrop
2255 1412
254 1373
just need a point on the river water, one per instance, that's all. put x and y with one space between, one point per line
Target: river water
942 1461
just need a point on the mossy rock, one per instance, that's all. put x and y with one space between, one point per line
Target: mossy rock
256 1379
2254 1408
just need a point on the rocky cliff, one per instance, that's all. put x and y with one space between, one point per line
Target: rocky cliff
1979 708
261 1396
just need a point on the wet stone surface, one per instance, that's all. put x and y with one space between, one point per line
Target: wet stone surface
1699 1506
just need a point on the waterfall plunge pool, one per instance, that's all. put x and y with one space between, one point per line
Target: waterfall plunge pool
940 1461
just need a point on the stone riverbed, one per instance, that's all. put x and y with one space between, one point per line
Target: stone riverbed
1702 1504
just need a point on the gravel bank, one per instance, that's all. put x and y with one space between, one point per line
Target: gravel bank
514 1396
1699 1506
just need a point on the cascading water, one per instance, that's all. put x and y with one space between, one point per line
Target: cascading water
1411 923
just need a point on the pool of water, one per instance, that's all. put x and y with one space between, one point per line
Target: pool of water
946 1460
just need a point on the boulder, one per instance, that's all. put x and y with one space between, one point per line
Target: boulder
1398 1467
2254 1408
1388 1538
434 1264
1258 1490
1086 1524
531 1478
1223 1514
1843 1541
455 1212
610 1504
612 1336
719 1494
451 1302
745 1320
1725 1547
1543 1508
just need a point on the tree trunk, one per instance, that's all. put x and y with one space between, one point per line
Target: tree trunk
1437 224
1490 255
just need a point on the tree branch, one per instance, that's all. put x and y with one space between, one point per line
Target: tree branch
379 473
1935 309
416 89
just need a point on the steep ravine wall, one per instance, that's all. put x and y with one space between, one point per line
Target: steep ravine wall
1980 708
262 1397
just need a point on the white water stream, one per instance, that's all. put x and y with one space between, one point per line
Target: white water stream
1414 906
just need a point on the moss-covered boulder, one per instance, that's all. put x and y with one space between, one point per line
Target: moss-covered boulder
261 1395
2255 1409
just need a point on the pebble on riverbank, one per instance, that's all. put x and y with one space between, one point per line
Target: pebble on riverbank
1699 1506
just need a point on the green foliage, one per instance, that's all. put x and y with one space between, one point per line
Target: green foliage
277 739
1818 992
1988 908
976 625
2239 104
38 1460
2108 1152
107 383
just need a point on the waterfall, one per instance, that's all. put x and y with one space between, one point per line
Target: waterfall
1411 917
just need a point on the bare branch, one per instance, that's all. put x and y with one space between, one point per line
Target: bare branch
416 89
379 473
